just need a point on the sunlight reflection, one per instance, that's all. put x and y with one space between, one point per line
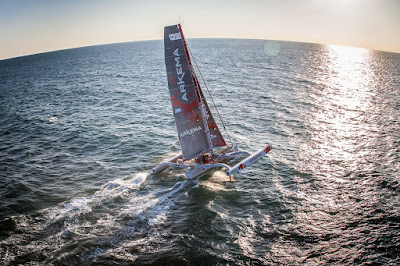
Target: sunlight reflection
346 95
349 75
339 123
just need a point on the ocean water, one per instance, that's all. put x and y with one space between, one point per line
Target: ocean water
81 129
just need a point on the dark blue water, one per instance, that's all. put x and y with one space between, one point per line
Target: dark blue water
81 129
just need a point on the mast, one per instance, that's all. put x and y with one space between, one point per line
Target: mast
199 94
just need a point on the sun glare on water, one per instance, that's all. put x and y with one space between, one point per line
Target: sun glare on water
345 98
343 127
349 74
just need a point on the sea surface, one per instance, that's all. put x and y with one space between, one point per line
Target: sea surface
81 129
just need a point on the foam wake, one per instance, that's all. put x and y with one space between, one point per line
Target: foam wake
86 227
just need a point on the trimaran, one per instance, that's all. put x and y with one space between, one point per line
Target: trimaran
203 146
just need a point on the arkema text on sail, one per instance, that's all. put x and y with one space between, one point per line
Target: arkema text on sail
180 74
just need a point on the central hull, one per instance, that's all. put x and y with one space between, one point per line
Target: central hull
197 172
193 169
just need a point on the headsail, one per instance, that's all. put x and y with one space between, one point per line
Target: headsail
184 97
216 136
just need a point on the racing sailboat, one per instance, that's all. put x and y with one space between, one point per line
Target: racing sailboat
203 146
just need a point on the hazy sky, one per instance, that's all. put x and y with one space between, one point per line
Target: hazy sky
34 26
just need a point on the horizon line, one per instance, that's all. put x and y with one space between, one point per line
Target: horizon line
160 39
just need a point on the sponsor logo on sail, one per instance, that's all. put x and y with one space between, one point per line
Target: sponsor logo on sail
190 131
180 74
175 36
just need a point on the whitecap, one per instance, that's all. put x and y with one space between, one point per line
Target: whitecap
76 204
139 179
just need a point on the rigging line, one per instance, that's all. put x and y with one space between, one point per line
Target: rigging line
212 99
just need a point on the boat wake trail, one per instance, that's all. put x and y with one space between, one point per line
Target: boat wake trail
123 213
